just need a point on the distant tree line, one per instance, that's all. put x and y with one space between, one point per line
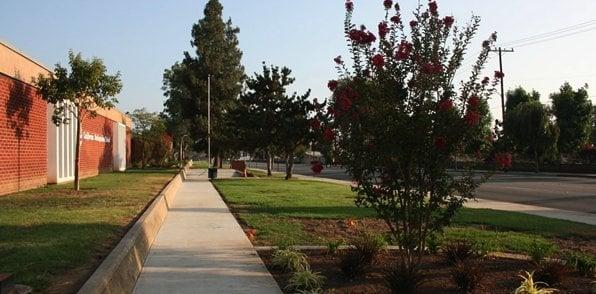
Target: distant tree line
564 131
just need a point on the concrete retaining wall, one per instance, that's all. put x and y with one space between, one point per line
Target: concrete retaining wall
119 271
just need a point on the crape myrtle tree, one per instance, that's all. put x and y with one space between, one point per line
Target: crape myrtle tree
572 110
185 84
81 91
398 119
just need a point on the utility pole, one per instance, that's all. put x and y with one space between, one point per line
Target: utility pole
209 119
500 51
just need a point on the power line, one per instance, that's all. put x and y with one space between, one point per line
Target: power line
551 33
554 38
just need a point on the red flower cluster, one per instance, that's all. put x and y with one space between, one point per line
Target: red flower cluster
344 98
499 74
362 37
473 102
332 85
503 160
349 5
404 50
413 23
395 19
378 61
472 118
388 4
485 81
316 167
383 29
338 60
486 44
445 105
315 124
448 21
328 135
440 143
433 7
432 68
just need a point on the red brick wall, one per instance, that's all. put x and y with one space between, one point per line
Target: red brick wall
23 133
96 156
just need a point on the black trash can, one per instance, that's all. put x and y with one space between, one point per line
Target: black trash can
212 173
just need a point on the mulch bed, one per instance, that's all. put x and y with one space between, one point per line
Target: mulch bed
500 275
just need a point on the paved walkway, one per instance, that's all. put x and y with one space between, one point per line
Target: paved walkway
201 248
576 216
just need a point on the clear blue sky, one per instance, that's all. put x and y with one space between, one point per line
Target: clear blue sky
141 38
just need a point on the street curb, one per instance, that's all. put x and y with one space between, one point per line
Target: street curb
119 271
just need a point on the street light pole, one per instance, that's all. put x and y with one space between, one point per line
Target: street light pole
209 119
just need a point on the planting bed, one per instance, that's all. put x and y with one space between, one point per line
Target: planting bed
499 275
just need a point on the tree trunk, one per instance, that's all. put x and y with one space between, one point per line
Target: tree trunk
269 163
78 153
219 161
289 166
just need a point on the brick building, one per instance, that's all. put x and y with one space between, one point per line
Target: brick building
33 151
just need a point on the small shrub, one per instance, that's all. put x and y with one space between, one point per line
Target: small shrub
433 243
539 251
466 276
333 246
306 280
583 263
289 260
484 247
552 272
403 280
458 251
354 262
528 286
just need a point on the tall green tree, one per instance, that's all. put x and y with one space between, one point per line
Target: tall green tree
295 130
149 130
257 117
81 91
520 95
216 54
532 131
573 111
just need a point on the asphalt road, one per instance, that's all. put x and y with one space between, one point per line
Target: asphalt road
569 193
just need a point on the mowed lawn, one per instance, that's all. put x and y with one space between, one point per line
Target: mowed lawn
273 206
53 235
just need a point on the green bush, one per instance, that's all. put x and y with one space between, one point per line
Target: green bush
538 251
289 260
333 246
581 262
458 251
306 280
466 276
366 247
433 243
403 280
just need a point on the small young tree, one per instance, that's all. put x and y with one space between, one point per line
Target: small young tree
572 110
149 131
533 133
398 120
257 117
82 91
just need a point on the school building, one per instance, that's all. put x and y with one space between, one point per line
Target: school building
35 152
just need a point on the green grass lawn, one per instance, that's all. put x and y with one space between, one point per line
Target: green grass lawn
47 232
273 205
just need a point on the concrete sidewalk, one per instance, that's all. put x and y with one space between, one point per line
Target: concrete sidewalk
575 216
201 248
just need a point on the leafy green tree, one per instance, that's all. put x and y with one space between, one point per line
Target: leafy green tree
532 131
81 91
520 95
149 133
185 84
295 131
593 125
257 117
572 110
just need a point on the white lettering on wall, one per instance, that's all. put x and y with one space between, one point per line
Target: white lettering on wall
94 137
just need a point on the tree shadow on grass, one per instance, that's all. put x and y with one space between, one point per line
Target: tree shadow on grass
36 254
